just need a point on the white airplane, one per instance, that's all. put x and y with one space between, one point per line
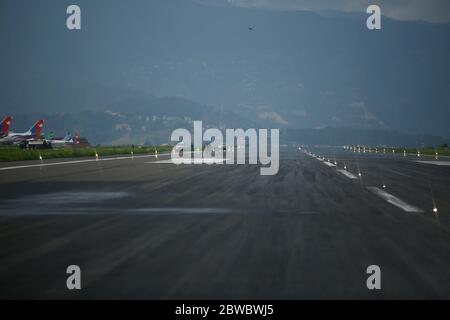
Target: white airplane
34 133
45 143
67 141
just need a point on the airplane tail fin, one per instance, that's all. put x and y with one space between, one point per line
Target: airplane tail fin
4 125
76 137
67 137
36 130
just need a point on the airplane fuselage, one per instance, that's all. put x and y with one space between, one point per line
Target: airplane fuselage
14 137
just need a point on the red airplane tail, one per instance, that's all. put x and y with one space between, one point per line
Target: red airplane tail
36 130
4 125
76 137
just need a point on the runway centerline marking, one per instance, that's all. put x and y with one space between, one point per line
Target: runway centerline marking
190 161
75 162
348 174
394 200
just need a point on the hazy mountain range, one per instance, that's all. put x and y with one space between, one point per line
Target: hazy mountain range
229 66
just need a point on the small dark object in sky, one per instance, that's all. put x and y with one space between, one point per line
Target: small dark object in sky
250 28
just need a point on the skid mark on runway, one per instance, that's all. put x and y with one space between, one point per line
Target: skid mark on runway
59 203
99 203
61 198
183 210
308 212
57 210
394 200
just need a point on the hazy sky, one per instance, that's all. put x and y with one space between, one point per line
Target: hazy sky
426 10
297 67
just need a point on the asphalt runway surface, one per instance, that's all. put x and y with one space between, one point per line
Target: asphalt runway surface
143 229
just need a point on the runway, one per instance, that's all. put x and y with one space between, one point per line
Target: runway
142 228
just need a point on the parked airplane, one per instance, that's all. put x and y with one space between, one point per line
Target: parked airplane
68 140
4 126
50 143
34 133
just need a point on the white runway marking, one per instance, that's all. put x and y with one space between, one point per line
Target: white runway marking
190 161
394 200
348 174
438 163
329 164
75 162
